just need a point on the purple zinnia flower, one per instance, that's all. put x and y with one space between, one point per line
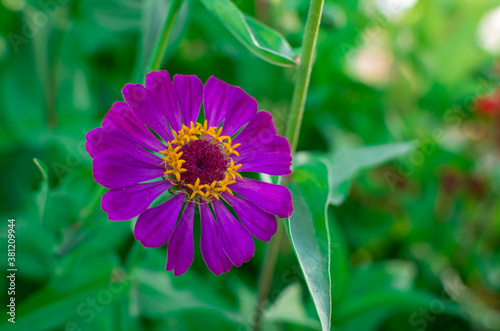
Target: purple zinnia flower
156 141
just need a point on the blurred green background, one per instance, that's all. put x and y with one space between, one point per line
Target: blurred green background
415 244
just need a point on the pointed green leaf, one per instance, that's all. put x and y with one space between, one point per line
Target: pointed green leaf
308 230
261 40
346 164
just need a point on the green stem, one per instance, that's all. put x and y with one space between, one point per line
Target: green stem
266 274
304 73
292 134
162 40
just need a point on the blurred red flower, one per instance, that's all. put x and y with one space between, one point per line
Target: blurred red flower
488 104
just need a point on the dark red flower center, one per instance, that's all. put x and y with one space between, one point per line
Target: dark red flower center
205 160
198 162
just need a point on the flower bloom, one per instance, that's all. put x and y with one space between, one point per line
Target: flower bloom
488 105
155 141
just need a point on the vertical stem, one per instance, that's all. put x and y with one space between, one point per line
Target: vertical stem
304 73
164 36
292 134
266 274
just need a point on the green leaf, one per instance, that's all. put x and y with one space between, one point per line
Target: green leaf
41 195
82 276
159 298
289 307
391 275
379 290
62 307
261 40
35 246
308 230
345 165
395 300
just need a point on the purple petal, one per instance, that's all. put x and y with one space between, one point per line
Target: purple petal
261 150
190 94
243 108
224 101
271 163
103 139
96 142
259 223
127 203
236 241
275 199
240 109
154 227
146 109
211 248
214 101
250 149
259 131
116 169
180 247
120 117
161 88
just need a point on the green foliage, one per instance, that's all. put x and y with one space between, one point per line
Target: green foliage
259 39
308 230
345 164
386 234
